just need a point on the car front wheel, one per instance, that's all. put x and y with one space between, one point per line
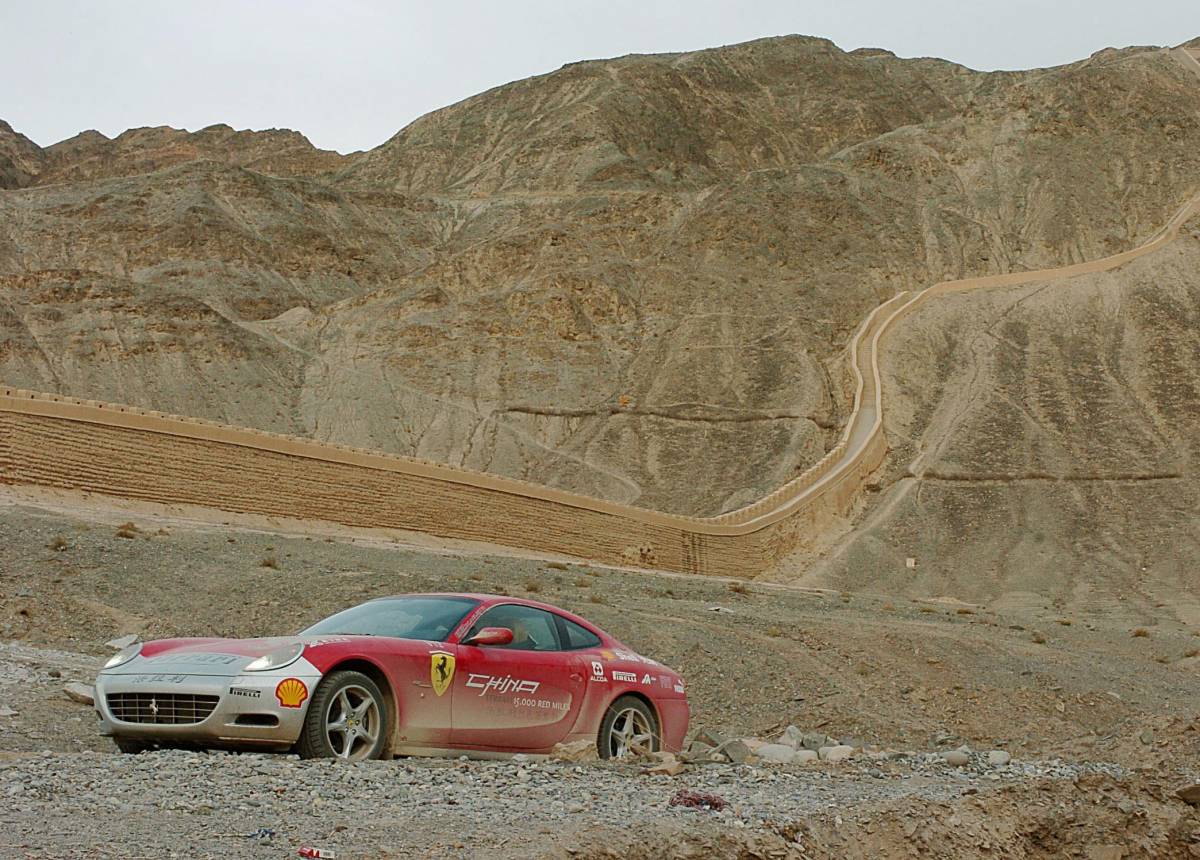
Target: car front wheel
346 719
629 728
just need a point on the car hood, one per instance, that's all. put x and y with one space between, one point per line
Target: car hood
214 656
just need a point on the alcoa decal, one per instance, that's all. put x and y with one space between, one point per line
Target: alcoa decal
291 693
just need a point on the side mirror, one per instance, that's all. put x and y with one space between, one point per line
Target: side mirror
490 636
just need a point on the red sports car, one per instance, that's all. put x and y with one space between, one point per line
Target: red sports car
417 674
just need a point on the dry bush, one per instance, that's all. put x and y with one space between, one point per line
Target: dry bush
127 530
583 582
962 610
1038 639
1065 622
927 609
556 565
1141 633
58 544
774 632
888 607
739 588
271 562
596 598
533 586
1162 659
1195 652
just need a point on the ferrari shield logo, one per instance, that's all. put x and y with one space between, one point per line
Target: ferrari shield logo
441 670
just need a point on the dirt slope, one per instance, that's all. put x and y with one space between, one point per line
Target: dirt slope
614 278
1044 450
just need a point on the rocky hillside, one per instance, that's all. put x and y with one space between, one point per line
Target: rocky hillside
631 277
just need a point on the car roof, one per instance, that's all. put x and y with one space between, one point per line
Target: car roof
492 599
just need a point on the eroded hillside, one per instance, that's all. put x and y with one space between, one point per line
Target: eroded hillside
634 278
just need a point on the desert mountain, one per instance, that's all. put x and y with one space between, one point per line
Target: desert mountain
634 278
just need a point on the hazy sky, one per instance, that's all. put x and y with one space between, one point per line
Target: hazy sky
351 73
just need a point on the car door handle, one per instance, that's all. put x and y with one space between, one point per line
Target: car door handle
419 684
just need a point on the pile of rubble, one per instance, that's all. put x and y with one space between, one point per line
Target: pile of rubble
792 747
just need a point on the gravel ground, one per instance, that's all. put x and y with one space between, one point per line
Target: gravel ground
175 803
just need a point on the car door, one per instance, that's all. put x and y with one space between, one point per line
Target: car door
522 696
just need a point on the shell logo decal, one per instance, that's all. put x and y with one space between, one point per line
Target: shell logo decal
291 693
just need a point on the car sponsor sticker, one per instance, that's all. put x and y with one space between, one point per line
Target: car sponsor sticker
598 671
679 688
245 692
647 679
441 670
491 685
291 693
195 659
618 675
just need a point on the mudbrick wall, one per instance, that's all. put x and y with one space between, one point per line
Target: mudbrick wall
60 442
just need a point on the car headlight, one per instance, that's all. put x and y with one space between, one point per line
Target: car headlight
124 655
276 659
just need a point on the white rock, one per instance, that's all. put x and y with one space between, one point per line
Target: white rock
956 758
805 756
791 737
7 712
776 754
998 758
838 753
78 692
122 641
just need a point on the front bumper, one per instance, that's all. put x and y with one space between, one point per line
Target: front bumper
247 710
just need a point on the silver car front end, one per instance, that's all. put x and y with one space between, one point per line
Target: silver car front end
205 700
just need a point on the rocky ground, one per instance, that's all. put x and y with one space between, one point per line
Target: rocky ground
1099 724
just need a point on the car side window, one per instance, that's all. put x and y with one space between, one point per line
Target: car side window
533 629
576 637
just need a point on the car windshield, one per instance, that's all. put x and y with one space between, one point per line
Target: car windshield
431 618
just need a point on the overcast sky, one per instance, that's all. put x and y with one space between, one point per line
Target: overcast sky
351 73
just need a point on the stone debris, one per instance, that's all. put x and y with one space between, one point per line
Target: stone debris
580 750
1189 794
697 800
956 758
79 692
122 641
998 758
667 765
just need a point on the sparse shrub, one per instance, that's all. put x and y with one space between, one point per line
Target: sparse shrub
888 607
583 582
1037 638
1141 633
127 530
230 540
1162 659
476 577
962 610
738 587
1065 622
774 631
595 598
58 544
163 533
927 609
1194 652
271 562
555 565
533 586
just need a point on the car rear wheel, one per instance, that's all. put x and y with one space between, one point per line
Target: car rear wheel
346 719
629 728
